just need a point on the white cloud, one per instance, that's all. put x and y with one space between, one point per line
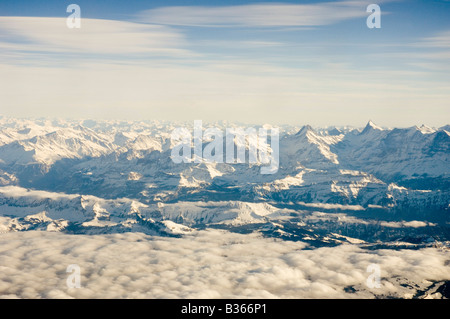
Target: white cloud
440 40
206 264
95 36
257 15
413 224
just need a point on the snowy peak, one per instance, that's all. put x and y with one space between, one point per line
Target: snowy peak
424 129
309 148
370 127
305 129
145 142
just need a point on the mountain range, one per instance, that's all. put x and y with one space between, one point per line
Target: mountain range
333 184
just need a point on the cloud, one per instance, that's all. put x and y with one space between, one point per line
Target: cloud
440 40
413 224
332 206
257 15
42 34
206 264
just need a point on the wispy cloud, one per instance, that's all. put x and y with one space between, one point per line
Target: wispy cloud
94 37
431 52
440 40
257 15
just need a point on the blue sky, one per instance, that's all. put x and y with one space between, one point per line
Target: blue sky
294 62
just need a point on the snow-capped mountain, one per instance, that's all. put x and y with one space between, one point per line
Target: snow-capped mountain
101 176
65 143
398 154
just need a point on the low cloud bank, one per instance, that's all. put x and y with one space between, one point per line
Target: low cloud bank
207 264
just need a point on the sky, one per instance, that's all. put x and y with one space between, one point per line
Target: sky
290 62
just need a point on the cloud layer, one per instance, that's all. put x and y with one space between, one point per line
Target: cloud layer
96 36
257 15
207 264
